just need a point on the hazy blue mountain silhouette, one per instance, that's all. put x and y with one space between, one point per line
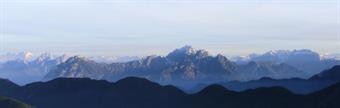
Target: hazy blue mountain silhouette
296 85
140 93
305 60
332 74
7 86
183 67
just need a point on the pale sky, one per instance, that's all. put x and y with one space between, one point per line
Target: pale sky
144 27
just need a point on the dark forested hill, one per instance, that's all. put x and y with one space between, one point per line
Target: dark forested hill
296 85
12 103
140 93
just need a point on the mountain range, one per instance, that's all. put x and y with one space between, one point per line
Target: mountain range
305 60
183 67
26 67
134 92
296 85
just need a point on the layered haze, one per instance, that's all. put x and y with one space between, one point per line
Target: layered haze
170 53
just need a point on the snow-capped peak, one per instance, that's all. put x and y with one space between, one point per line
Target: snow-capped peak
186 50
281 56
113 59
278 52
286 53
28 55
335 56
25 56
45 56
189 50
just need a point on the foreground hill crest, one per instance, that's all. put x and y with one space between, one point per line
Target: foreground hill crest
130 93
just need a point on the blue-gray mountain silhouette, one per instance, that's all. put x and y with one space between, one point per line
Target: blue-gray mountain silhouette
183 67
296 85
141 93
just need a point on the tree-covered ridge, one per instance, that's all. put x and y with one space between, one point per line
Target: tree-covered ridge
12 103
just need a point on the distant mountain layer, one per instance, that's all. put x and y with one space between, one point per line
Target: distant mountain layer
25 67
330 74
28 56
301 86
184 66
12 103
140 93
305 60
